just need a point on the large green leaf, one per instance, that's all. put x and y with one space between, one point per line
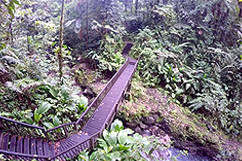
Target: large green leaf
53 91
117 125
111 138
2 46
123 136
83 101
16 2
43 108
49 125
56 121
37 116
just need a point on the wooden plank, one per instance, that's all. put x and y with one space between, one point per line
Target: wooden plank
5 141
62 157
20 144
72 153
109 104
69 142
65 145
73 137
62 148
100 115
26 146
95 126
94 123
90 130
46 148
33 146
40 147
13 143
1 138
68 155
52 150
68 145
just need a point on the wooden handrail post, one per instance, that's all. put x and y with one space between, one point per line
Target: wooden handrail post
75 127
65 130
46 135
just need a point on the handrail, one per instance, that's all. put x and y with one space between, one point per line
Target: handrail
60 126
21 123
105 90
66 150
61 131
23 155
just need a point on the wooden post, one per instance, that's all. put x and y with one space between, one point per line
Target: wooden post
65 130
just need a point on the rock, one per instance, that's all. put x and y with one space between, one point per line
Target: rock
153 130
162 154
166 140
89 93
137 129
149 120
155 116
143 126
131 124
147 132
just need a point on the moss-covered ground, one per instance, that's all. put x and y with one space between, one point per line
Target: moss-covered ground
188 130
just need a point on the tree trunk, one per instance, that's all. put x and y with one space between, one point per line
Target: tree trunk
136 6
240 9
60 57
11 32
87 26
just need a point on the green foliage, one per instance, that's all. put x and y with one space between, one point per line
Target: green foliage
29 88
118 144
42 109
42 104
190 48
10 5
108 55
133 112
65 106
192 63
88 22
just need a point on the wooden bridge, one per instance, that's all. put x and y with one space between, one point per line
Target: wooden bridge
21 141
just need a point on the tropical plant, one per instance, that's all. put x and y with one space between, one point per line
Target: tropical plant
107 57
119 144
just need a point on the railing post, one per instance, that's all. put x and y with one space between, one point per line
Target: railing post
75 127
91 143
65 130
46 135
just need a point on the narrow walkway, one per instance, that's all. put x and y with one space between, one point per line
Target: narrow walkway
14 146
101 118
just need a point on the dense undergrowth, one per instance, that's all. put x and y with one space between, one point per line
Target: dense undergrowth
191 62
124 144
190 49
31 91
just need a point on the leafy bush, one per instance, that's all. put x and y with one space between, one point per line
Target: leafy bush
122 144
107 57
41 103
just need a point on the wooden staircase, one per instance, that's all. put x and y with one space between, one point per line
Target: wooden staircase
26 148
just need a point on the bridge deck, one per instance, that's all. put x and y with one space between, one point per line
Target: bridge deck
100 119
14 146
